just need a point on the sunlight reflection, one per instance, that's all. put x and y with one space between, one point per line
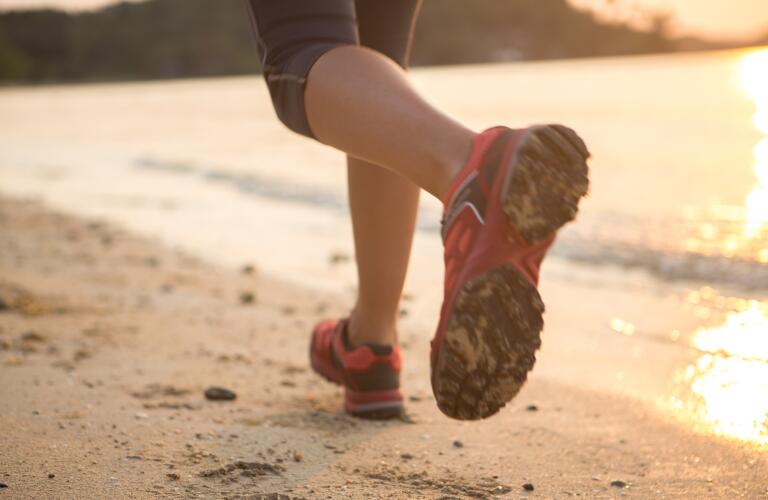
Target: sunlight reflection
740 231
754 77
729 382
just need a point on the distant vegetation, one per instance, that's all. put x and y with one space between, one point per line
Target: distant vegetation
185 38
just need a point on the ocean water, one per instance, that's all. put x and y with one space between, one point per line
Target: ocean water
674 235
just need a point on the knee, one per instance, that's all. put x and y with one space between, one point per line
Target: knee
291 37
286 76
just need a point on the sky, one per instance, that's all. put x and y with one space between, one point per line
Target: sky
732 19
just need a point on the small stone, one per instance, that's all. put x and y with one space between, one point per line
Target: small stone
288 310
338 258
501 490
3 485
51 476
247 298
618 484
140 415
31 336
458 444
528 487
81 354
424 437
248 269
532 408
407 419
414 398
134 457
298 456
173 476
406 456
219 394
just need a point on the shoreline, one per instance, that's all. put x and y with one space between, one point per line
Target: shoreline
109 339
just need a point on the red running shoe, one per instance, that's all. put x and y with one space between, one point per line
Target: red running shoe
501 214
369 373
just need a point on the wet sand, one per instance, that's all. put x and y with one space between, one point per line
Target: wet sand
108 341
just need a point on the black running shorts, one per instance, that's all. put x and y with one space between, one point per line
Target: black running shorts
293 34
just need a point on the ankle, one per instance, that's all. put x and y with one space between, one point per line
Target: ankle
366 329
452 162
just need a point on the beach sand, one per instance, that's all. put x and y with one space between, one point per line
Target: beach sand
108 341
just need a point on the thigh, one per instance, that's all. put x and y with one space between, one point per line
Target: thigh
387 26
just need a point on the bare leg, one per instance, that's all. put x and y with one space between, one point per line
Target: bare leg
384 206
361 102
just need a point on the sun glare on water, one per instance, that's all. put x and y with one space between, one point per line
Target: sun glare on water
728 383
740 231
754 78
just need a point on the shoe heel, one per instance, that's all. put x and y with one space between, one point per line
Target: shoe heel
374 405
547 181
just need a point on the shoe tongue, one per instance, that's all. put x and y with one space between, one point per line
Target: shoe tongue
377 349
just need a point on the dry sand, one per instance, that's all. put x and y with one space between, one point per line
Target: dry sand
108 340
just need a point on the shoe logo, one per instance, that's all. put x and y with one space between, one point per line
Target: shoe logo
468 195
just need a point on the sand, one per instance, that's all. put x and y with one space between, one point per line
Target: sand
108 341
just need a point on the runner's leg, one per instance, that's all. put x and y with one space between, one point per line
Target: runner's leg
383 203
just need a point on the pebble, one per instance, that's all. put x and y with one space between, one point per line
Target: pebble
297 456
338 258
248 269
407 419
247 298
528 487
140 415
406 456
289 310
532 408
3 485
219 394
173 476
424 437
51 476
458 444
618 484
32 336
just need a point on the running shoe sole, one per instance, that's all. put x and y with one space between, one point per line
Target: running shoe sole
494 328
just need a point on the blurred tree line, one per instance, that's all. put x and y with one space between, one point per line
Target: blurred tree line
184 38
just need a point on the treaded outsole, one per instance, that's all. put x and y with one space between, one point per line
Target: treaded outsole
547 182
490 344
494 330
